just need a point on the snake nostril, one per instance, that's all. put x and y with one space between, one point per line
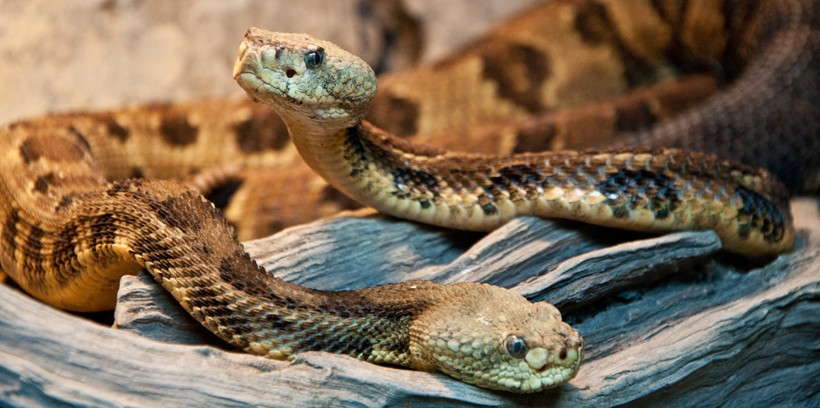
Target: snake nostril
563 353
290 72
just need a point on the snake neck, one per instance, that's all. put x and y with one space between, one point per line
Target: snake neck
75 258
225 290
68 238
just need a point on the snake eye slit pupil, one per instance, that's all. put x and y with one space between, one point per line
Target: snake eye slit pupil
516 346
314 59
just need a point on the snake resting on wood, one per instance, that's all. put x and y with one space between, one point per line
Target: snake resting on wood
68 235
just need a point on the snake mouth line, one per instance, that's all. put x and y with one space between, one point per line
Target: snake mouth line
246 72
251 73
248 69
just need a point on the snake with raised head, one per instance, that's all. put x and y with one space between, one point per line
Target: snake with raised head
68 235
323 92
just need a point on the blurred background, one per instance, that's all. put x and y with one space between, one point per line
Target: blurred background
94 54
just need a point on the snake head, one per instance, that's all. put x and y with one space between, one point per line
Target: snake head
495 338
300 75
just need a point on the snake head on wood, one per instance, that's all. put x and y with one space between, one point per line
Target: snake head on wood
491 337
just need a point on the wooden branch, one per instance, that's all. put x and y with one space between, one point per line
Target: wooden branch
666 322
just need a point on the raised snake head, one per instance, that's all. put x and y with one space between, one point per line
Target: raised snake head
299 75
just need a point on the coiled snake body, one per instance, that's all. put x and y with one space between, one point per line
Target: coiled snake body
68 235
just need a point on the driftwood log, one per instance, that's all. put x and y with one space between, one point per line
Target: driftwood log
668 320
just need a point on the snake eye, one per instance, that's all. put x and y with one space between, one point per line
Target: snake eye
314 59
516 346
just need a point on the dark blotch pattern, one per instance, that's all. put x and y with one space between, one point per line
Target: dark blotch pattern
55 148
10 230
629 190
177 131
42 182
519 181
65 201
278 322
519 70
104 229
116 131
520 175
261 132
394 114
407 181
27 152
489 208
592 23
34 239
356 153
93 230
760 214
359 346
595 27
136 172
64 252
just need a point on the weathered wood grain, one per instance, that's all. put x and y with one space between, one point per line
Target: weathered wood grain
666 321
